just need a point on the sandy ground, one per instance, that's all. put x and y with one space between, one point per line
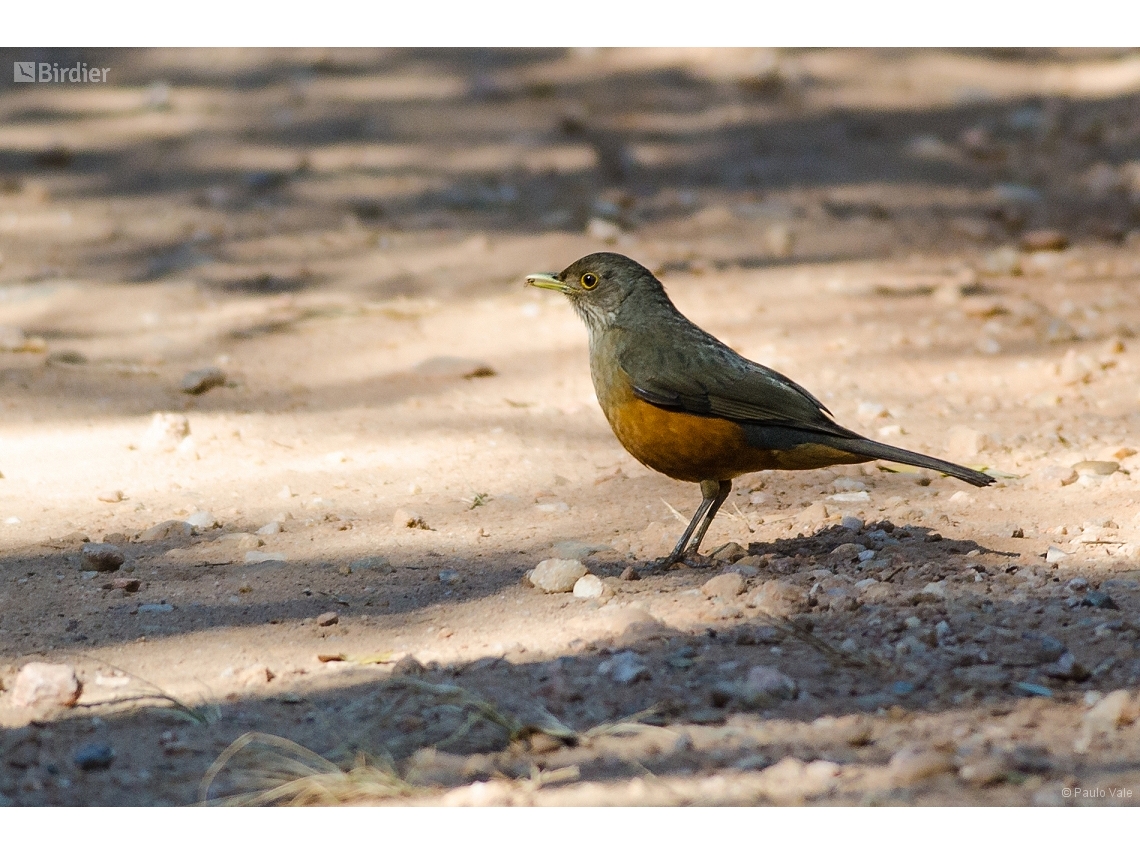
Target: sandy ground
943 246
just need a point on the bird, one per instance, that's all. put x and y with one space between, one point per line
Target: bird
685 404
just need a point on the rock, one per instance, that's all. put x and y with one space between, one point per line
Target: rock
270 528
111 497
127 586
1066 668
916 763
1099 600
965 442
94 756
730 552
407 666
1055 555
202 520
625 668
933 591
576 550
1048 650
1044 240
449 577
851 524
813 514
725 585
328 619
286 492
11 338
984 771
983 677
256 556
779 599
202 380
166 432
101 557
164 531
847 552
45 684
629 574
371 564
557 575
1096 468
453 366
765 686
590 587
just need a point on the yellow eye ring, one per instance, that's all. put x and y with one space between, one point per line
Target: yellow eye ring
589 281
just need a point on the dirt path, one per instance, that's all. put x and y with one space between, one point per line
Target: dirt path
944 246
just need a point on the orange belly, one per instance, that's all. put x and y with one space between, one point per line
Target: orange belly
702 448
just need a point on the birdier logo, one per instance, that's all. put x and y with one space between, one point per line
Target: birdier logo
52 72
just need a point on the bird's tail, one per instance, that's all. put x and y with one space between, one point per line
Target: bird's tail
880 451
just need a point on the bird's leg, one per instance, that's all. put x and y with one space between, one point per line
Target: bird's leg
719 491
714 494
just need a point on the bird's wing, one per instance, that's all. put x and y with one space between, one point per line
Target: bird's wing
715 381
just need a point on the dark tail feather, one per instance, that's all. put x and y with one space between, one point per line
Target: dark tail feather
879 451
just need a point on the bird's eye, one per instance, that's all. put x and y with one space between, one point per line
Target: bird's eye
589 281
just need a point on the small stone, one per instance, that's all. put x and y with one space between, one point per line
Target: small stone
625 668
1055 555
45 684
966 443
270 528
1066 668
779 599
328 619
851 524
813 514
453 366
1099 600
286 492
1044 240
202 380
127 586
94 756
629 574
11 338
101 557
765 686
730 552
866 555
449 577
848 552
589 587
202 520
1033 690
371 564
256 556
408 666
933 591
916 763
576 550
111 497
984 771
557 575
255 675
1096 468
165 432
164 531
854 497
725 585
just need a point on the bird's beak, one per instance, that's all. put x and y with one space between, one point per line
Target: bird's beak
550 281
